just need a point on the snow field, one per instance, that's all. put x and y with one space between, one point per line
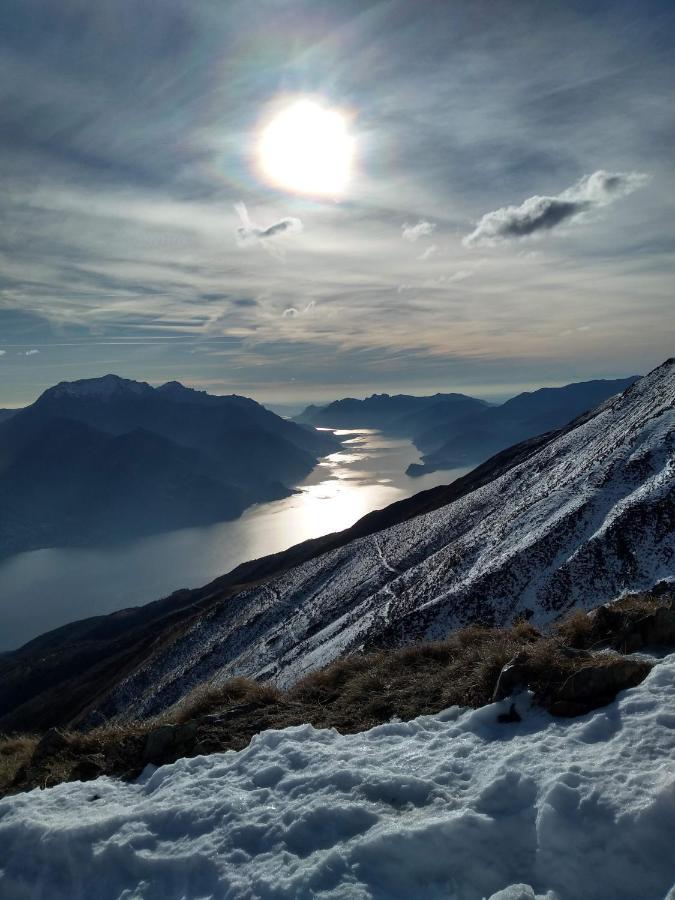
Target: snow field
453 806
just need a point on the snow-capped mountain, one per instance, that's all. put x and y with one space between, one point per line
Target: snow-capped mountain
579 517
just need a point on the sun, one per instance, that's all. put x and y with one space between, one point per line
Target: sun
307 148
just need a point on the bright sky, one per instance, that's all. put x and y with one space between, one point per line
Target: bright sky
304 200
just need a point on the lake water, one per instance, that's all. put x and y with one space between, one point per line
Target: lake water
43 589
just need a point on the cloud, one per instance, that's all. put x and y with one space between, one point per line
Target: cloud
2 352
248 233
245 302
290 313
428 252
31 352
413 233
538 214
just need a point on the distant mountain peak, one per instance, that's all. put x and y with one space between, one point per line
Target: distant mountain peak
103 388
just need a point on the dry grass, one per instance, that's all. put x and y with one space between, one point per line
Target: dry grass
207 698
352 694
605 625
576 629
15 752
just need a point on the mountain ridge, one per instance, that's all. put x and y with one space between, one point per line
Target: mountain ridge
523 544
211 458
167 630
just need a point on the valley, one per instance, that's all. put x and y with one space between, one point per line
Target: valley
43 589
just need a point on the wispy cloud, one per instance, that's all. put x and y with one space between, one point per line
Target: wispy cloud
542 213
31 352
429 252
248 233
413 233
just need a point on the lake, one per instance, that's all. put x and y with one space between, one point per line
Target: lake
43 589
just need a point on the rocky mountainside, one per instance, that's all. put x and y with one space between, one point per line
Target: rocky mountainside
587 514
109 458
573 517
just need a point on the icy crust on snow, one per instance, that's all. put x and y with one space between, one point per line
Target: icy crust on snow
585 519
453 806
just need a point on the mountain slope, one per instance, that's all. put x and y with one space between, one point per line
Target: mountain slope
109 458
75 484
490 430
524 530
587 514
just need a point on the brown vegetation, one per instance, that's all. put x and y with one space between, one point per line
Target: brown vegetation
471 667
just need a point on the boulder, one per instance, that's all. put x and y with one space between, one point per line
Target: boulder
597 684
52 742
88 767
169 741
629 632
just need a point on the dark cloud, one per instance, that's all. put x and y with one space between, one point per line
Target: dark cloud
537 214
245 302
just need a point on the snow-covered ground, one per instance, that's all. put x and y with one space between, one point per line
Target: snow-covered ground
453 806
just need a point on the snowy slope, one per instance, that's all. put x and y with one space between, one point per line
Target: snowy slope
453 806
584 518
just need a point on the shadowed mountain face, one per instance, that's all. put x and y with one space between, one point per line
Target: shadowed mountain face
454 430
492 429
569 518
108 458
400 414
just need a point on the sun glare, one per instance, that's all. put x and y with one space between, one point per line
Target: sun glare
308 149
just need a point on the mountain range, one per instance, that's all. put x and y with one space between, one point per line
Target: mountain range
109 458
400 414
570 518
454 430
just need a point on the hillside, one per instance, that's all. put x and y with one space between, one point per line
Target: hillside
492 429
108 458
582 518
570 518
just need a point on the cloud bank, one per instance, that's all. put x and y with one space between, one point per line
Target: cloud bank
538 214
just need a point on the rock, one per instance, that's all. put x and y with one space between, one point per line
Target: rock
597 684
52 742
88 768
169 740
512 677
629 633
658 628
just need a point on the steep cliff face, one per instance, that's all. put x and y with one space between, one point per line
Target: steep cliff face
586 514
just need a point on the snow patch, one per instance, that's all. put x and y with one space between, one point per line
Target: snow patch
448 806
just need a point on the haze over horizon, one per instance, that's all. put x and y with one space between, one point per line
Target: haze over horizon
298 201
